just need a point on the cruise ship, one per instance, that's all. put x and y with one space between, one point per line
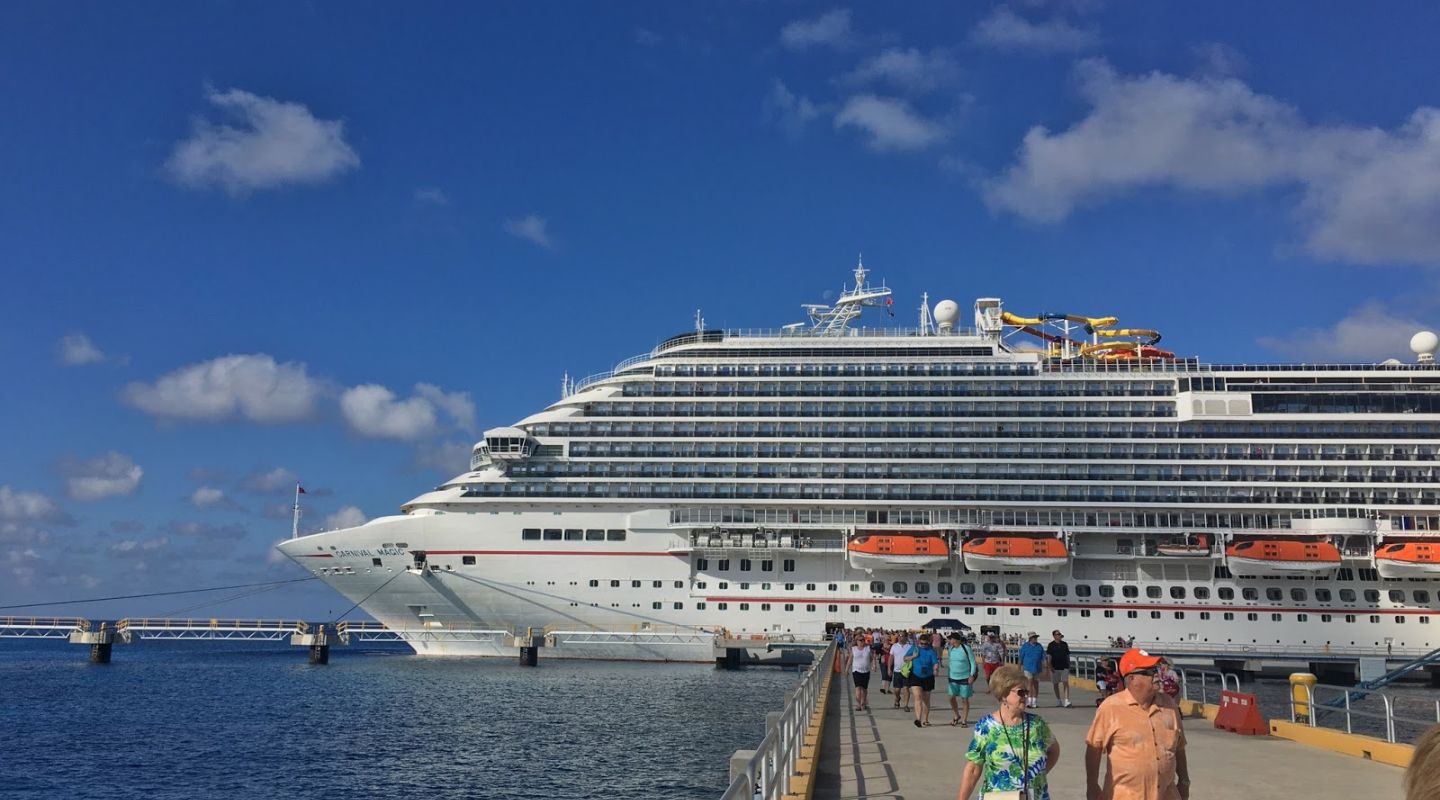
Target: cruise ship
1034 471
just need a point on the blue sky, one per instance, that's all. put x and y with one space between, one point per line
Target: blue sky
247 245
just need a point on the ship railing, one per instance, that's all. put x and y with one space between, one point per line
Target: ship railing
1313 651
1205 685
1326 705
768 772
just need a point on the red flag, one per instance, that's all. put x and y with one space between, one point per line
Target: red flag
299 489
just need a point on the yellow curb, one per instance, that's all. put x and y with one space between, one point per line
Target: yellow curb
1350 744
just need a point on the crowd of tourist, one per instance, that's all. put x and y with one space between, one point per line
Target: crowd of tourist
1136 729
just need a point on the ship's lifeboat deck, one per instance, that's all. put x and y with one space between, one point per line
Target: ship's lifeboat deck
1262 557
1408 559
999 551
1194 545
892 549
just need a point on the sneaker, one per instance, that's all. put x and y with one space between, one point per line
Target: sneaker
1032 703
1065 704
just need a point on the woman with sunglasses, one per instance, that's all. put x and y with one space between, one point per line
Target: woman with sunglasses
1012 750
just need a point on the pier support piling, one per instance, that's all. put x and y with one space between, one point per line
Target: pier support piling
530 646
100 640
318 642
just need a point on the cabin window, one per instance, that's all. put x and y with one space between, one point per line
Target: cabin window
879 609
1372 595
679 606
1229 616
530 534
1106 590
634 584
1302 617
1082 590
767 565
1227 593
1322 595
1037 590
992 588
1250 593
854 609
1421 596
1347 595
1274 595
594 535
1274 617
1152 592
615 536
1399 619
1012 589
809 606
724 565
923 609
1252 617
1059 589
1176 592
744 606
1109 614
700 606
594 583
722 606
468 561
922 587
375 562
1202 593
834 587
967 588
574 535
702 564
898 587
1396 596
1297 594
655 605
614 584
723 585
789 606
1204 615
1374 619
1130 591
809 587
789 565
877 587
945 588
944 610
744 565
554 534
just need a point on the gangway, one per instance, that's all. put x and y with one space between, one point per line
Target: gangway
260 630
41 627
1365 687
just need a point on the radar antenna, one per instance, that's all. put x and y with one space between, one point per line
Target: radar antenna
834 320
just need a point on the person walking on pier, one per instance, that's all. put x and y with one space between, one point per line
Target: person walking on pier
1057 662
1138 730
1012 750
1032 660
961 671
922 659
860 659
897 675
992 654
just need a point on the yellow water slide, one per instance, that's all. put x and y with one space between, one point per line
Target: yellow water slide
1090 323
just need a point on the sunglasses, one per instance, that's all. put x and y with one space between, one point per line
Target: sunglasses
1022 692
1149 673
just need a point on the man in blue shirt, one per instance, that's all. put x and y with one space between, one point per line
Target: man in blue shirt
1032 660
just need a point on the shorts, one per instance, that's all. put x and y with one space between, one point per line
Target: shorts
961 689
925 684
862 679
989 668
1059 676
1031 675
897 679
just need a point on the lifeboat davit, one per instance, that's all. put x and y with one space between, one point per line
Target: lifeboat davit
1264 557
1408 558
1193 545
1014 551
872 550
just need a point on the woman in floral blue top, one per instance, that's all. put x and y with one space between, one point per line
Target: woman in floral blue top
1012 750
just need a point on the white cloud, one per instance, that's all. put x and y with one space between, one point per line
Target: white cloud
345 517
1372 332
431 195
111 475
254 387
208 497
905 70
27 506
888 124
272 143
831 29
375 411
1367 195
1006 30
271 481
789 112
132 548
1219 59
447 458
76 349
531 228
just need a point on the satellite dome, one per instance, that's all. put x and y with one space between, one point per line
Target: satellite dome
946 313
1422 343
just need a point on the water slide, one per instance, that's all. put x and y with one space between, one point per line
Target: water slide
1142 346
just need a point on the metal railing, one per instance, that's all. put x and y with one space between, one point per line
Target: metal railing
769 771
1305 652
41 627
1309 709
1204 685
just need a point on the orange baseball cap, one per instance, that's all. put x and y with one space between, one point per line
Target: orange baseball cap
1135 659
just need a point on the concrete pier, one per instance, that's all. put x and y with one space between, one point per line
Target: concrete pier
100 641
319 642
881 754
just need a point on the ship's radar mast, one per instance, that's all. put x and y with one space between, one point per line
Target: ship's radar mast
833 320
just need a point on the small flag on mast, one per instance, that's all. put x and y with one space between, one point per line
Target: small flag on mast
299 489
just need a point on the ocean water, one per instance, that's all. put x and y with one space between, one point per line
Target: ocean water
254 720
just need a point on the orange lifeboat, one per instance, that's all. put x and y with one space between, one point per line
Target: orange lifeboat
896 549
1191 545
1015 551
1266 557
1408 558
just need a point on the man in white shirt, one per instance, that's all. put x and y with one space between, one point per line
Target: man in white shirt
897 659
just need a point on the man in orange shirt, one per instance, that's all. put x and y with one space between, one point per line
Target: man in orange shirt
1139 732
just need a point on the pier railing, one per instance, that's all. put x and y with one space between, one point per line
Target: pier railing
1314 705
767 774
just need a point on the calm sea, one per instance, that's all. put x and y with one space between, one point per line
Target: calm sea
187 719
